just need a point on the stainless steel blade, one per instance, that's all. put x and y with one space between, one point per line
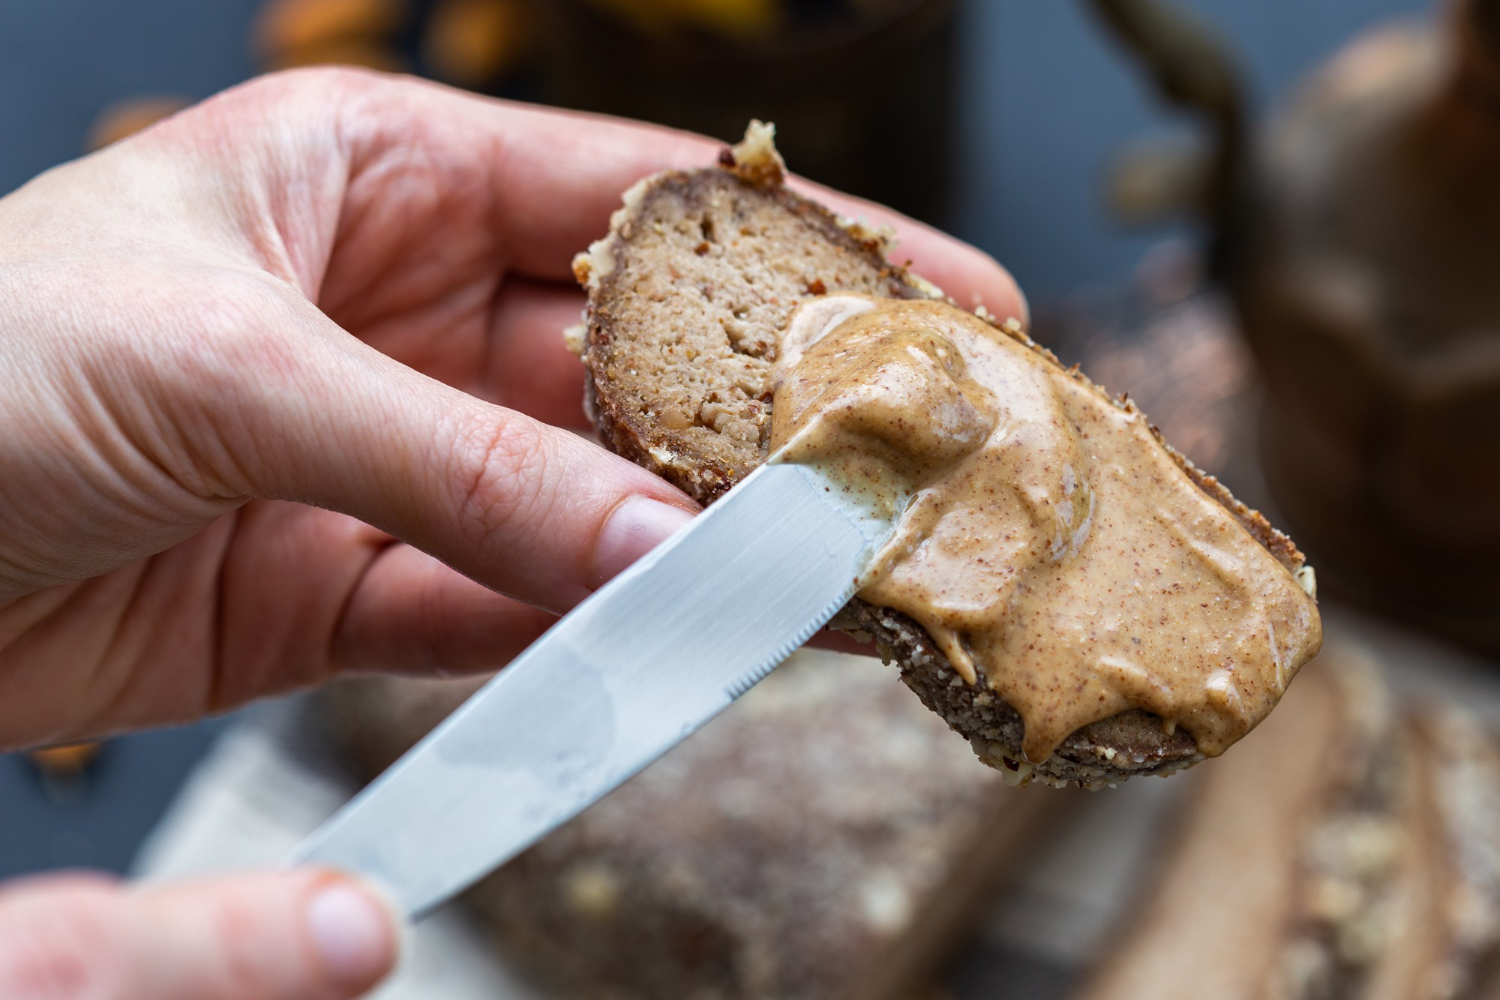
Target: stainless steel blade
625 676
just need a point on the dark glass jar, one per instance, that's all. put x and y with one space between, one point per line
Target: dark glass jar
861 93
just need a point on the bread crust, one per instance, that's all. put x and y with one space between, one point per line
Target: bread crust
1105 752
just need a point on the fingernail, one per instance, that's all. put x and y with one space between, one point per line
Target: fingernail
634 529
353 933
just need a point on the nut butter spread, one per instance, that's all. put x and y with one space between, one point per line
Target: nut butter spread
1046 541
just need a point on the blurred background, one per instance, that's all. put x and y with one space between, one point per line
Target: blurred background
1042 100
1042 104
1151 239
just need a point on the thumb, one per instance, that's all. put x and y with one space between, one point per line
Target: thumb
285 936
528 509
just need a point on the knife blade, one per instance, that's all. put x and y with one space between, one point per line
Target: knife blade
629 673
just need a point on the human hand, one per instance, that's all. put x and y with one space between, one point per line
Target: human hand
244 352
283 936
284 394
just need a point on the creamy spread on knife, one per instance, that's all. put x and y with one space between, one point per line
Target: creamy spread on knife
1046 540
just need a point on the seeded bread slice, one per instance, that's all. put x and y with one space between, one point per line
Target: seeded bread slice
1344 852
688 295
824 839
1229 913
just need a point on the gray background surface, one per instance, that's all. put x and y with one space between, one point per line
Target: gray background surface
1047 102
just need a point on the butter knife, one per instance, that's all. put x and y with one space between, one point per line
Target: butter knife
629 673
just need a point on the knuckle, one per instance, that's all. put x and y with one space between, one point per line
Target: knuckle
58 944
499 474
237 930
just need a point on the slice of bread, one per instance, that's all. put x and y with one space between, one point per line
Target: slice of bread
688 296
824 839
1442 933
1227 908
1344 851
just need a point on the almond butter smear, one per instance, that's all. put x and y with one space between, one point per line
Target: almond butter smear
1046 540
